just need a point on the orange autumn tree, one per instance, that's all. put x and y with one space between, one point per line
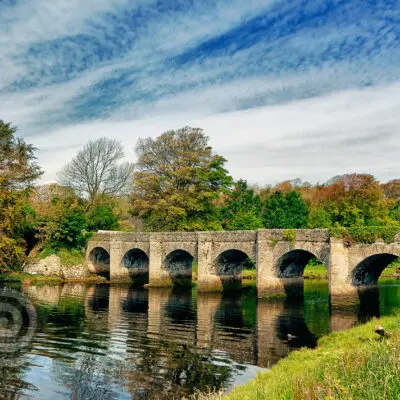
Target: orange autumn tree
18 171
348 200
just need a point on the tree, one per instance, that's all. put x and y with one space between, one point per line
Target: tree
392 189
285 211
356 199
242 208
59 217
177 179
18 170
102 216
96 170
319 218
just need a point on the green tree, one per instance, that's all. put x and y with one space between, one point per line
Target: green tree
102 217
319 218
177 181
358 199
59 217
242 208
18 171
285 211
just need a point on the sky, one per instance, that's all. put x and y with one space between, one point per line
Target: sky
284 89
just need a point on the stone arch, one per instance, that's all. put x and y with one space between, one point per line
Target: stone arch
179 264
289 267
99 261
229 265
136 261
368 271
292 263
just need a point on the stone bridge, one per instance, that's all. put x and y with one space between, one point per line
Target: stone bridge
280 256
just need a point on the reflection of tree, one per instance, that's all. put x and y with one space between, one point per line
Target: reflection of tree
12 383
173 370
89 377
316 307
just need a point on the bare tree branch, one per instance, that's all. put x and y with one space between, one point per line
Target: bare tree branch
96 170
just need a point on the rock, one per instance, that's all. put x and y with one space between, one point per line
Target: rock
75 272
49 266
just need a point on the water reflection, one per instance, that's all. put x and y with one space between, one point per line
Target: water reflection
117 341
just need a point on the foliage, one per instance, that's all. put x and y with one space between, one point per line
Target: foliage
242 208
289 235
394 210
96 170
18 170
285 211
319 218
102 217
59 217
353 200
177 180
368 234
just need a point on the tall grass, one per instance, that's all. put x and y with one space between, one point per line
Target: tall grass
354 364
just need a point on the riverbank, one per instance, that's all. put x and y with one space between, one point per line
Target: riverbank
354 364
22 277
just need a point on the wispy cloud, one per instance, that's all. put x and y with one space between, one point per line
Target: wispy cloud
71 70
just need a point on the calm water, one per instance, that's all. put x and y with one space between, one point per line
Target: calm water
119 342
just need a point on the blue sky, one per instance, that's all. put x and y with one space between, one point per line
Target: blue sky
284 89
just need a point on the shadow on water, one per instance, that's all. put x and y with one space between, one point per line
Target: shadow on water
120 341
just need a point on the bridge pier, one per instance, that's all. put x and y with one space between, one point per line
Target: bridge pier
268 284
158 276
116 254
207 279
340 284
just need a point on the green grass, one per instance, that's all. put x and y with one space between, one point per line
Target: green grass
32 279
315 271
354 364
69 258
249 274
22 277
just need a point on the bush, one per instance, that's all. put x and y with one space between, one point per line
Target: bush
366 234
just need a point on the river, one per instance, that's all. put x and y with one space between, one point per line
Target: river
120 342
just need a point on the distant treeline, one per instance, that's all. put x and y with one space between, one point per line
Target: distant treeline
177 184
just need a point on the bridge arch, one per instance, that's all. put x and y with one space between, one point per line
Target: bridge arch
292 263
229 265
99 261
136 261
179 265
368 271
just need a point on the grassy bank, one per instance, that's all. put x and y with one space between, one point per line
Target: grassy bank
354 364
21 277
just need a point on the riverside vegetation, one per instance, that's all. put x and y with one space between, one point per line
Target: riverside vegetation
353 364
177 184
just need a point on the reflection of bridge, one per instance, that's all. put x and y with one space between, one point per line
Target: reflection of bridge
207 321
280 257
